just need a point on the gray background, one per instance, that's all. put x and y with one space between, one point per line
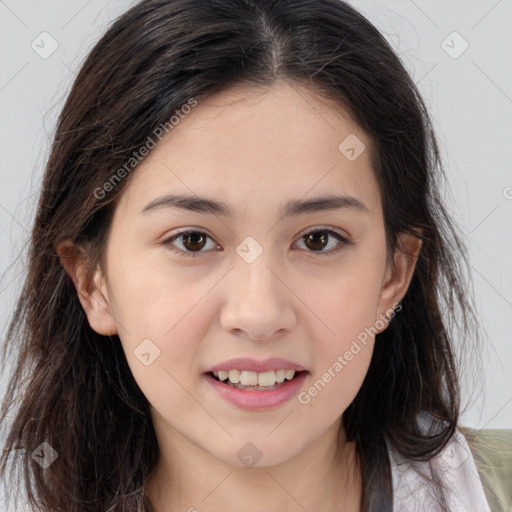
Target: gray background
470 101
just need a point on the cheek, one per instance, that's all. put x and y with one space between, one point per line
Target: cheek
345 309
162 321
343 351
345 303
161 350
153 295
329 393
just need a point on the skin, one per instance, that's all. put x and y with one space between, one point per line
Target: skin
239 146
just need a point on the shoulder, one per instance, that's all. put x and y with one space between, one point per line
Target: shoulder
455 468
492 451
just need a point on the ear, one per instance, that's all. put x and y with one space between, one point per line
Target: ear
91 288
398 276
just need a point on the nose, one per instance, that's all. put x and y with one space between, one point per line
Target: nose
259 303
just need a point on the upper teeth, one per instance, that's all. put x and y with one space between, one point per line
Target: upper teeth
254 378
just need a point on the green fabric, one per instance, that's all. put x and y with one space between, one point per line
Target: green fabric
492 451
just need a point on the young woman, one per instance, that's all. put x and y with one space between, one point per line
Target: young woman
243 286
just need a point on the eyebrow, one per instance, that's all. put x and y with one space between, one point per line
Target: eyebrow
294 207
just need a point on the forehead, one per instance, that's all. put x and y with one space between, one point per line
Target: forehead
250 145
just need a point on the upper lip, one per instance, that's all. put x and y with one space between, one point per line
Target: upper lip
253 365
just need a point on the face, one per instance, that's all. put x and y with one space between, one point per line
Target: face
309 286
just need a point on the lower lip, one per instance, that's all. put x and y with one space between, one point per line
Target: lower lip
258 400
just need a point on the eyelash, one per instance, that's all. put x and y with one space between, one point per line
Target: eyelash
343 241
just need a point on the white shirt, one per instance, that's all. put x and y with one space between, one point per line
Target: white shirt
455 465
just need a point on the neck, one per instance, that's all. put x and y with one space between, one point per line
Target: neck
324 476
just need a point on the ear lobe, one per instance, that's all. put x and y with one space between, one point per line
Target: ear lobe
90 286
398 276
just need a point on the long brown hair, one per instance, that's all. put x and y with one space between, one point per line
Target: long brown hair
73 387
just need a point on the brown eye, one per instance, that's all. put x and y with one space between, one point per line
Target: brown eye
316 241
319 239
192 241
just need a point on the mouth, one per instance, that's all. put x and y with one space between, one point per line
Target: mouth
256 385
254 381
256 397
